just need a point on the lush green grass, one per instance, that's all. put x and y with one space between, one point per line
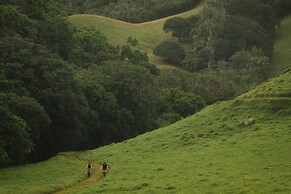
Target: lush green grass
55 174
209 152
149 34
282 48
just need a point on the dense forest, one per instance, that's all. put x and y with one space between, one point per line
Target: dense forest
129 10
63 88
66 88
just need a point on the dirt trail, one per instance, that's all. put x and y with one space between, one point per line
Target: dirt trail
95 176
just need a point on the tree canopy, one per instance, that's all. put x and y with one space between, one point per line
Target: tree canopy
171 51
179 27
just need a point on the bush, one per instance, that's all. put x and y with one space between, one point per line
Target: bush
170 51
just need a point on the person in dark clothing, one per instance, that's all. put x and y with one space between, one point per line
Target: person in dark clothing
89 169
104 168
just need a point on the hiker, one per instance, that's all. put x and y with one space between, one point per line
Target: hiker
89 169
104 168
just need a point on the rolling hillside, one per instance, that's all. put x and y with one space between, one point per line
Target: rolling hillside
149 34
209 152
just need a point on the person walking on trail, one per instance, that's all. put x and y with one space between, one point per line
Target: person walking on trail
89 168
104 168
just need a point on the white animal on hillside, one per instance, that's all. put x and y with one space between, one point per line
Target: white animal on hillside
250 121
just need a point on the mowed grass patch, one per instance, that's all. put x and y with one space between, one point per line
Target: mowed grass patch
149 34
282 48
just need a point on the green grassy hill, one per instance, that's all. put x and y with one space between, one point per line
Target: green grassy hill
149 34
209 152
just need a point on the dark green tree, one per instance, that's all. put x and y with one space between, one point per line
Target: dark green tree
170 51
178 26
15 143
252 62
281 7
36 119
255 10
180 102
13 22
90 47
244 33
133 87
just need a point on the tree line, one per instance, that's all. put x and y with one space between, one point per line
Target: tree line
65 88
231 41
130 11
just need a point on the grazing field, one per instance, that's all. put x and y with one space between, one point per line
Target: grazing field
149 34
282 48
212 151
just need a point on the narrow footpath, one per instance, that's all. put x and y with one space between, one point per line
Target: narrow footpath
95 176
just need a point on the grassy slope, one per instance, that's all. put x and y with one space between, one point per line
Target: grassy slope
47 176
282 49
209 152
149 34
228 158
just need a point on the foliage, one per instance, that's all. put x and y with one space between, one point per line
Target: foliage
253 62
134 89
90 47
282 7
179 27
170 51
176 100
225 32
36 119
250 9
15 143
14 23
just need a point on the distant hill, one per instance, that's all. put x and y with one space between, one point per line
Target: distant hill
130 11
149 34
